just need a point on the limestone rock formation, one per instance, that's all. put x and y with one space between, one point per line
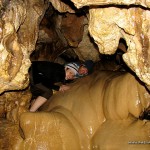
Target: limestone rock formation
13 104
81 3
61 6
87 49
97 106
19 31
87 117
131 24
108 24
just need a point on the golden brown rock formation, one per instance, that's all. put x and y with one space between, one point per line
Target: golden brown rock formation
131 24
120 19
81 3
98 112
14 103
73 34
87 49
97 107
19 31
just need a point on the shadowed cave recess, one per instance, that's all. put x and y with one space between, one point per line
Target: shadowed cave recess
106 110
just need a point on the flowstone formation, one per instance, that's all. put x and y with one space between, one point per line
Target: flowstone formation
100 111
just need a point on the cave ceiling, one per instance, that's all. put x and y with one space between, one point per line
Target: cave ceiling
81 29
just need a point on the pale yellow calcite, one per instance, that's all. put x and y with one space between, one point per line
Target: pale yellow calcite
98 112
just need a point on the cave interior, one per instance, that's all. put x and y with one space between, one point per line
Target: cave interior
66 31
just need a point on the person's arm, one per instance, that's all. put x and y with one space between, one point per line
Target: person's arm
61 88
64 88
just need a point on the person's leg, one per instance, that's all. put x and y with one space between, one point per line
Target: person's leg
44 94
39 101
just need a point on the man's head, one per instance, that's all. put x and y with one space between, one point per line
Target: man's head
71 70
82 70
86 67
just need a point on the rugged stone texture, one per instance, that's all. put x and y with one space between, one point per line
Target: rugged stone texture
87 49
130 21
131 24
61 6
81 3
19 30
73 34
13 104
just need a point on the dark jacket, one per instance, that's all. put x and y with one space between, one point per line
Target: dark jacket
48 73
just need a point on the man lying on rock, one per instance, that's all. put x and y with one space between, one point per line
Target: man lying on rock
45 75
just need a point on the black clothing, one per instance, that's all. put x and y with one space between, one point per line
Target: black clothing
40 90
46 74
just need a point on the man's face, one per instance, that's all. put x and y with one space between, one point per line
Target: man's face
69 74
83 70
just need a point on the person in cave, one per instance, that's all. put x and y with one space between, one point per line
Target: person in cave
45 74
84 68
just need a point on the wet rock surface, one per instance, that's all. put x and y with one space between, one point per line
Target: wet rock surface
88 117
97 107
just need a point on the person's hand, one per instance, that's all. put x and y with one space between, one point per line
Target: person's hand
64 88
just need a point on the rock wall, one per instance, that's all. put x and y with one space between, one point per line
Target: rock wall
19 30
106 24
